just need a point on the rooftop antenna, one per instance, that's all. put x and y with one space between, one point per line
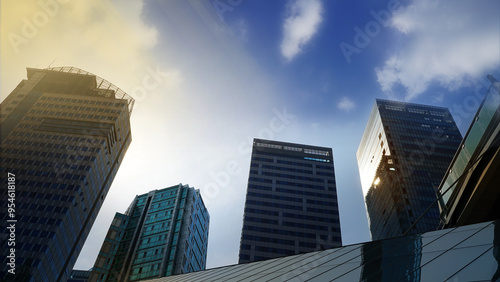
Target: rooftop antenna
51 63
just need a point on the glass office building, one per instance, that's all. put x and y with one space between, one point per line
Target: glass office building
467 253
64 133
163 232
291 202
470 190
403 155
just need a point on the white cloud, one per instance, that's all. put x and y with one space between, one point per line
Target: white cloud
448 43
301 23
109 40
345 104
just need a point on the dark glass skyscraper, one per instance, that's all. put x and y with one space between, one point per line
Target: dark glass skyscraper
404 153
64 133
163 232
291 202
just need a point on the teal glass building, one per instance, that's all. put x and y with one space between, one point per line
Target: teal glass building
64 133
403 155
163 232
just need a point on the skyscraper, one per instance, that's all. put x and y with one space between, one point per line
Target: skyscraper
163 232
64 133
291 202
403 155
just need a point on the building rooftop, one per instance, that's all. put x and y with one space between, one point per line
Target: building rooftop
101 86
467 253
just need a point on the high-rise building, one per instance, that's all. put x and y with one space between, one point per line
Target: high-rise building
469 189
404 153
64 133
163 232
291 203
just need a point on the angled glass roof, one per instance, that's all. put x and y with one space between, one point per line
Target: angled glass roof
467 253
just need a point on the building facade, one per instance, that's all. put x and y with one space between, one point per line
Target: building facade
469 191
64 133
291 202
403 155
163 232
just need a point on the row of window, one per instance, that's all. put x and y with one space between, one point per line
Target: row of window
312 218
39 220
279 231
305 226
292 184
316 152
36 233
285 159
49 196
331 195
53 146
316 159
290 176
260 220
66 162
316 210
274 250
274 205
275 197
28 247
39 208
259 211
159 216
416 111
290 199
295 149
412 119
91 102
162 225
56 167
71 113
286 223
268 240
33 135
289 169
310 186
71 106
265 145
161 196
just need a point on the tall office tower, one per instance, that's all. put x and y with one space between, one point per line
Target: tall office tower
163 232
64 133
291 202
404 153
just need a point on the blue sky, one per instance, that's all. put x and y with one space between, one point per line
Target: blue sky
210 75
